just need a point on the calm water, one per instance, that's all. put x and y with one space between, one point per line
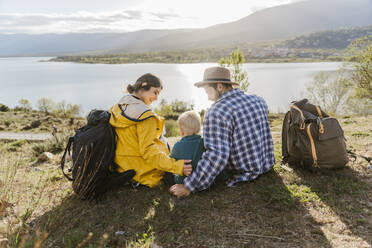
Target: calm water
100 86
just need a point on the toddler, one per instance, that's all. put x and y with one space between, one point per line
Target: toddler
191 146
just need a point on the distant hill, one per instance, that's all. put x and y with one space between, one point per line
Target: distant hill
329 39
79 43
276 23
328 45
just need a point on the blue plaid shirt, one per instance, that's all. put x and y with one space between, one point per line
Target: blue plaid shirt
237 137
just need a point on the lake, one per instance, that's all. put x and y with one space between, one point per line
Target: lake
101 85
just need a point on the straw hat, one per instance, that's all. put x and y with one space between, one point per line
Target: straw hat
216 74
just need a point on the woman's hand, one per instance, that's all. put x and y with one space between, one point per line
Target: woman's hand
187 168
179 190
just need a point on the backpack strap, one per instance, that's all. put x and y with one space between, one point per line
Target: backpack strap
320 123
285 130
302 115
313 149
319 111
114 138
68 149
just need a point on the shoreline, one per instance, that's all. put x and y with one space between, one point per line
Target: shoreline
268 61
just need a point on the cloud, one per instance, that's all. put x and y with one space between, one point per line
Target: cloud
167 14
82 21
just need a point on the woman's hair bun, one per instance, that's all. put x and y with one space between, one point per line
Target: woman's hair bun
130 88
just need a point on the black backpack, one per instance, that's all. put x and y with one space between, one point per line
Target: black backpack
312 139
93 171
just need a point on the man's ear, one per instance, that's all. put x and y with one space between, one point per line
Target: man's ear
220 87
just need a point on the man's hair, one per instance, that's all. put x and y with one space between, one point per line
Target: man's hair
225 85
190 122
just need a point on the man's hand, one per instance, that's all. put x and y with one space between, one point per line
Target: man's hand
179 190
187 168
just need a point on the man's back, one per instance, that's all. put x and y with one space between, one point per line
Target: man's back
236 136
251 146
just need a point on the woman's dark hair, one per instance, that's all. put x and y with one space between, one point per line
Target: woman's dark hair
151 81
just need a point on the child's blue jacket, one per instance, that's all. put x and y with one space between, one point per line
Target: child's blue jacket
189 148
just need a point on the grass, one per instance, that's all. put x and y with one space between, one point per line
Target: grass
286 207
361 134
55 145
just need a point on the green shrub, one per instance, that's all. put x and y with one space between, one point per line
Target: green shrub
54 146
4 108
16 145
19 143
24 105
171 128
7 123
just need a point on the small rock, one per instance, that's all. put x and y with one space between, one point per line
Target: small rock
68 158
35 124
45 156
117 233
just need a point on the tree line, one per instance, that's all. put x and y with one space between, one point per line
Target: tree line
349 89
48 106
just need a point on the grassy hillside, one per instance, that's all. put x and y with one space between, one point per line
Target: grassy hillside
285 207
17 121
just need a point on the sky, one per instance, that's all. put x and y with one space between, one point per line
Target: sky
89 16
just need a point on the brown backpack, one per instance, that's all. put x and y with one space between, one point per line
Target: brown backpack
312 139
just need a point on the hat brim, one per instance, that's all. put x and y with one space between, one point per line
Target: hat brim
202 83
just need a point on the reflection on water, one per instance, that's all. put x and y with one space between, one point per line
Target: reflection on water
100 86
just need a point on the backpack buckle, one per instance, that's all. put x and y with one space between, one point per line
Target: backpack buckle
320 125
302 127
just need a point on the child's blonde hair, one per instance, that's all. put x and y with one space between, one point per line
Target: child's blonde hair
189 122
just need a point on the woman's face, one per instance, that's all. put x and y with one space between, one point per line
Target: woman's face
211 92
150 96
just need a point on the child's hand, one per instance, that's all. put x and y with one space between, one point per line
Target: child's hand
187 168
179 190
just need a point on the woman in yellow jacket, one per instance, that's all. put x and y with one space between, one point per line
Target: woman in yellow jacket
140 145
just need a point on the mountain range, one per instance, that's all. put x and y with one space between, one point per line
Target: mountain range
276 23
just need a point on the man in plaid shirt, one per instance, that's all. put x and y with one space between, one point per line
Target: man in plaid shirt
236 135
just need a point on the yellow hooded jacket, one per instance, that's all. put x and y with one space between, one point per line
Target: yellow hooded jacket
138 145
